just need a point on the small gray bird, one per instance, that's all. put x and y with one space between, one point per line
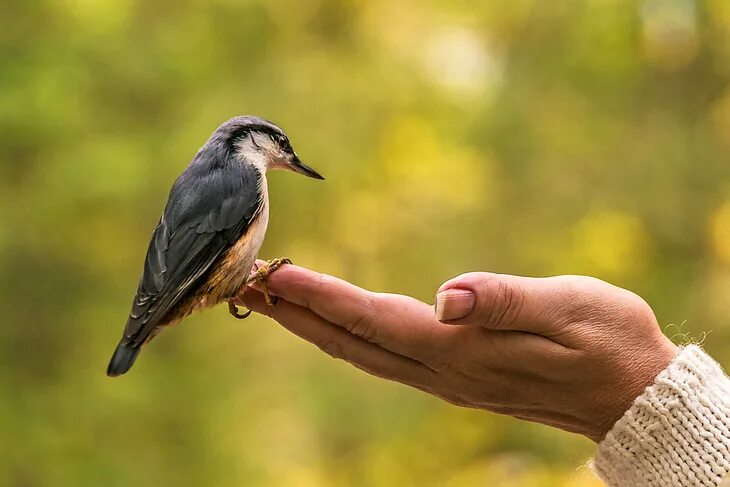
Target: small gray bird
204 248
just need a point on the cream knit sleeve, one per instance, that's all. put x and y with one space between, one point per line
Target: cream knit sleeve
677 433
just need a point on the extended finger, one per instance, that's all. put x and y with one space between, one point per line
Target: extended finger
339 343
398 323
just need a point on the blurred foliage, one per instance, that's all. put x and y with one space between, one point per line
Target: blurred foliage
522 137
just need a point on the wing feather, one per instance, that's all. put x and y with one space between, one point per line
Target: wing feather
209 208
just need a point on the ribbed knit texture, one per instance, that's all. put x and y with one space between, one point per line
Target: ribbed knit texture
677 433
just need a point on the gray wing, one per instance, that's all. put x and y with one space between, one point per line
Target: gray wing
209 209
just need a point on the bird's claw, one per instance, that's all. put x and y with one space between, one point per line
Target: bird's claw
233 310
263 272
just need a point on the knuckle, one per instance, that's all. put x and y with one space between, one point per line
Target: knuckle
638 311
362 326
331 347
322 281
574 285
505 304
363 329
587 289
580 295
637 303
593 298
447 368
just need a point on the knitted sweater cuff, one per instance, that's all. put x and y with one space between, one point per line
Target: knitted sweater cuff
677 433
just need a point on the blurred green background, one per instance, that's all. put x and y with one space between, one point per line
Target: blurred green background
522 137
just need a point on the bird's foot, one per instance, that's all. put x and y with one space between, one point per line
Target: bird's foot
262 274
233 309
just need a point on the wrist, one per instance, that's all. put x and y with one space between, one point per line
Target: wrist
631 375
676 433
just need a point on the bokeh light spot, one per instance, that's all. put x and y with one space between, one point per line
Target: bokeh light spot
669 32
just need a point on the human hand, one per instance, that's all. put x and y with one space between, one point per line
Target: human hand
571 352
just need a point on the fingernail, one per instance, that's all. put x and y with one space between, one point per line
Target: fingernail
453 304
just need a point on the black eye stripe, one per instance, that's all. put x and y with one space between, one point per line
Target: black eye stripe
279 138
240 133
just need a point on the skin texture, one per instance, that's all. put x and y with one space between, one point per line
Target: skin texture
571 352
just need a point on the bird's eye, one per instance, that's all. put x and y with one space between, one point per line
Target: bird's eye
282 140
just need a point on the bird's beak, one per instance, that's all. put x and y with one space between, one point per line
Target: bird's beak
301 168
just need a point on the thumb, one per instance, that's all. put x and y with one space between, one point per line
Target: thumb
497 301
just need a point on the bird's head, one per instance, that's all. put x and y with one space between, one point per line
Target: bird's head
263 144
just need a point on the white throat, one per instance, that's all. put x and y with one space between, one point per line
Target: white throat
258 150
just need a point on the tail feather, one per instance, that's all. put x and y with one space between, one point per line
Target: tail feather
122 360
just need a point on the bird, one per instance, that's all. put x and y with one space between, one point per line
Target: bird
204 248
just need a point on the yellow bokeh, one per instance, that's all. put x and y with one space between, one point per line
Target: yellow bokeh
612 244
423 169
719 233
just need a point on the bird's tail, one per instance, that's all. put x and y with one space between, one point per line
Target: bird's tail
123 359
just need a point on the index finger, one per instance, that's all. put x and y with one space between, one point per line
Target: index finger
398 323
